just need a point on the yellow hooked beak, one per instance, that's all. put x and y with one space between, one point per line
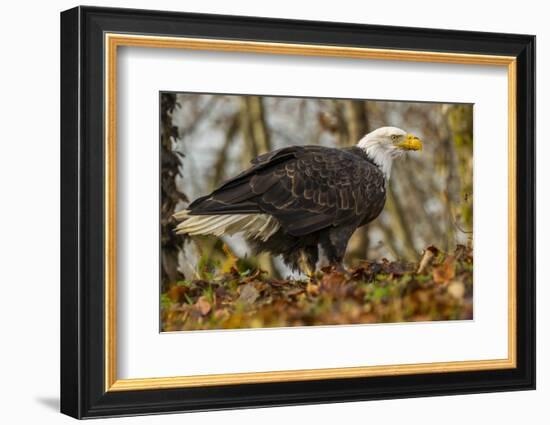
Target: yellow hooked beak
411 143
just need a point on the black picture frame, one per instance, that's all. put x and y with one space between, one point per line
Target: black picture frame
83 392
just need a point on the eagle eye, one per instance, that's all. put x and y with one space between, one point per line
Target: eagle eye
395 137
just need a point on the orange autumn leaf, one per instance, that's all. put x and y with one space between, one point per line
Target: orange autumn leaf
333 279
446 271
176 293
312 289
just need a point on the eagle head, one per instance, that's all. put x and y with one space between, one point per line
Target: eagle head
386 143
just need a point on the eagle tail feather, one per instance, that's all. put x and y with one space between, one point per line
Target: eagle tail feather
254 226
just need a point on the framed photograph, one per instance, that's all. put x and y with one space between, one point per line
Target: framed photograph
261 212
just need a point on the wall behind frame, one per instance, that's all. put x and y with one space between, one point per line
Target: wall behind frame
29 219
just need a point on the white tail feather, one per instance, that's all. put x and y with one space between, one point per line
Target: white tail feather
198 224
255 226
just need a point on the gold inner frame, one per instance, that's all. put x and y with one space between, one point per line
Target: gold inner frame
113 41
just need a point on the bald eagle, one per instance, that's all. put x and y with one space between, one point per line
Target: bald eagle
298 200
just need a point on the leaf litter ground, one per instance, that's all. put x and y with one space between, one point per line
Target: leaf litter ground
440 287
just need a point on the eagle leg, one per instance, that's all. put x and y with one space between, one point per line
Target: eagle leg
305 265
308 259
334 243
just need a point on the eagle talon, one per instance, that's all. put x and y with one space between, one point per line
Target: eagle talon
306 267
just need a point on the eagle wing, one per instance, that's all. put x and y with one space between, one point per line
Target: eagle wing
306 188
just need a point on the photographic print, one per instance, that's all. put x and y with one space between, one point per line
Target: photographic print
286 211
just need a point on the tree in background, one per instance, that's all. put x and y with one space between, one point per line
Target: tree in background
171 162
460 119
357 126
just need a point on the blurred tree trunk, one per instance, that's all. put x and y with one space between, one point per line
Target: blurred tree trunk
415 194
358 124
389 239
254 130
460 120
256 142
219 166
401 225
170 195
357 127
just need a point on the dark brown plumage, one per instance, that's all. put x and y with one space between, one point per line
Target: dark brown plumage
317 195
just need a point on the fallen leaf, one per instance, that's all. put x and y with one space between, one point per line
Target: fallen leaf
277 282
446 271
332 279
203 306
177 294
221 293
248 294
375 268
361 273
460 251
293 292
427 258
397 269
312 289
221 314
456 289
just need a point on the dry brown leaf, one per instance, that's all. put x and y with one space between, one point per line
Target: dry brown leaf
397 268
333 279
176 293
460 251
248 294
456 289
203 306
312 289
446 271
293 292
427 258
